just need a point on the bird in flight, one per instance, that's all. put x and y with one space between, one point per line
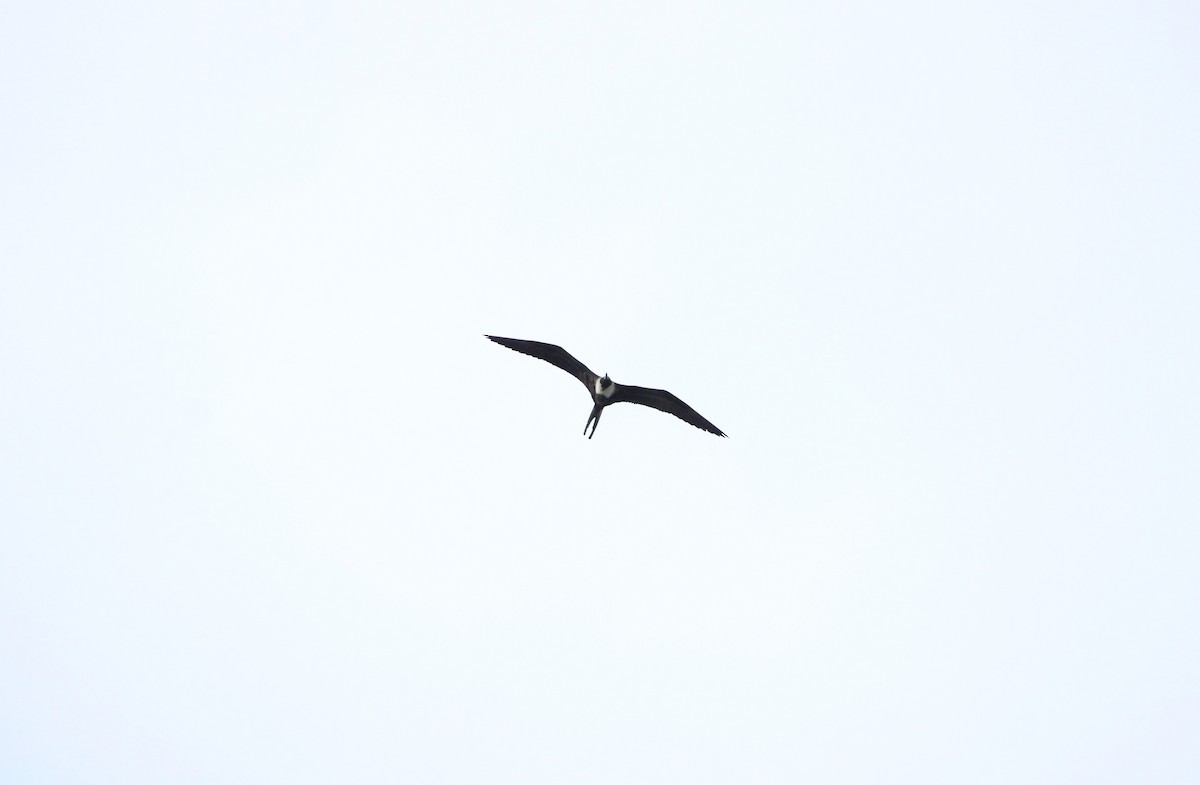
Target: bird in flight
605 391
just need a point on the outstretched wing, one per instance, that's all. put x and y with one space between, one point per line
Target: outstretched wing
555 355
664 402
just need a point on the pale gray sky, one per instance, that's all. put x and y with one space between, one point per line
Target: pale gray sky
274 511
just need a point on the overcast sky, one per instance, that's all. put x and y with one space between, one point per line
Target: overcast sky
272 510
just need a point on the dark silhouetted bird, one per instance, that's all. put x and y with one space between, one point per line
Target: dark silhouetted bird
605 391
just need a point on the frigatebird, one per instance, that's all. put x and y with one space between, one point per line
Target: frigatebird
604 390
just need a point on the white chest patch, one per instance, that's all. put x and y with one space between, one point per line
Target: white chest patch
605 391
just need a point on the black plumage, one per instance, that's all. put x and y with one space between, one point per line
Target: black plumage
605 391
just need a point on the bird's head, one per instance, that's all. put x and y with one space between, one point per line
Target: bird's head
605 386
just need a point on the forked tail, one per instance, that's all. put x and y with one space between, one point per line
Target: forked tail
594 420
